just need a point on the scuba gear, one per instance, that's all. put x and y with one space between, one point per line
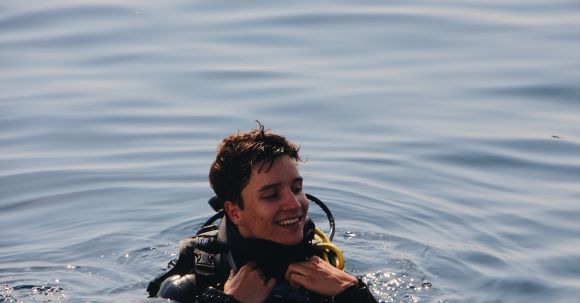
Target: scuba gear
327 212
328 251
206 259
271 257
323 244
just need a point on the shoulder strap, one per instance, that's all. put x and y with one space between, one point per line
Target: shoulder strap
211 266
204 255
192 251
205 252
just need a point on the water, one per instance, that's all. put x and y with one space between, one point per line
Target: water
444 136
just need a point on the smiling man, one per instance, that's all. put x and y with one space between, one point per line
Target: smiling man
273 205
263 249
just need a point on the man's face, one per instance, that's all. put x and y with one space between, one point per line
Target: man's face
275 206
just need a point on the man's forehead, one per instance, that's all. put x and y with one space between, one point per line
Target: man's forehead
265 166
282 172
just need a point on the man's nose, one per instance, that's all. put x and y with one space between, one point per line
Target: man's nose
291 201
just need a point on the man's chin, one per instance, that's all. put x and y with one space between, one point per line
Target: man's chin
288 235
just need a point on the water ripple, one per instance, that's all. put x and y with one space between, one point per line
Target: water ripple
443 136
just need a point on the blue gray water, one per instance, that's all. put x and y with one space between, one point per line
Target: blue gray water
444 135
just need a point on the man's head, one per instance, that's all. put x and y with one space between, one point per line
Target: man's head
256 176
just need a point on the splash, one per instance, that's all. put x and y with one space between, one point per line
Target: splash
46 292
399 287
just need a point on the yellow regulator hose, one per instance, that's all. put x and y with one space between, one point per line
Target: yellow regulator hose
328 251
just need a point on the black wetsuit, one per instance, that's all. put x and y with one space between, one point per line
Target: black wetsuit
205 261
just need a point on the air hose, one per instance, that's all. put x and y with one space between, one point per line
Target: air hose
328 250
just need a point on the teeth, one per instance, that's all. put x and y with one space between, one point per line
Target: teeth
289 222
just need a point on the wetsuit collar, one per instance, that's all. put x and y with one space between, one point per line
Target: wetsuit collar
271 257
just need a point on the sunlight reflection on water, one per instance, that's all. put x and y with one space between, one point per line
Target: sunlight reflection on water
444 137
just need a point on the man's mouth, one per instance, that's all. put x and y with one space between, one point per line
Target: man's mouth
289 221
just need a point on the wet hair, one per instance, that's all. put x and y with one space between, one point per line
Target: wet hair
239 153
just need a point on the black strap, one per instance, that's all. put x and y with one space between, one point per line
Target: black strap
190 249
211 267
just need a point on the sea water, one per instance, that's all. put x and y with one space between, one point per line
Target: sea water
443 135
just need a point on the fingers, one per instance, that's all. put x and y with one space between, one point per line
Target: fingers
315 259
270 284
249 266
297 280
305 268
318 276
291 281
251 271
297 273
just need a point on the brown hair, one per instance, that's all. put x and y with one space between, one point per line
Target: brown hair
239 153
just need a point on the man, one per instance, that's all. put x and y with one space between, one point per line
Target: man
262 250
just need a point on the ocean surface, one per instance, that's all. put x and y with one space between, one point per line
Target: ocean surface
443 135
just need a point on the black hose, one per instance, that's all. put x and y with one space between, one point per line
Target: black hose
326 211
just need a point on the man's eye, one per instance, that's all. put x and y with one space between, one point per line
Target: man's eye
297 189
270 197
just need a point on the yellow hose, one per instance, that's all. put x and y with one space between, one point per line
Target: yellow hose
326 248
320 233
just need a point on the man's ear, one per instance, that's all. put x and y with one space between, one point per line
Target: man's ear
233 211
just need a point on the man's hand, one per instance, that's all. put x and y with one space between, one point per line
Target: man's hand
319 276
248 285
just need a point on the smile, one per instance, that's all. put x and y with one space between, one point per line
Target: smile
288 222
